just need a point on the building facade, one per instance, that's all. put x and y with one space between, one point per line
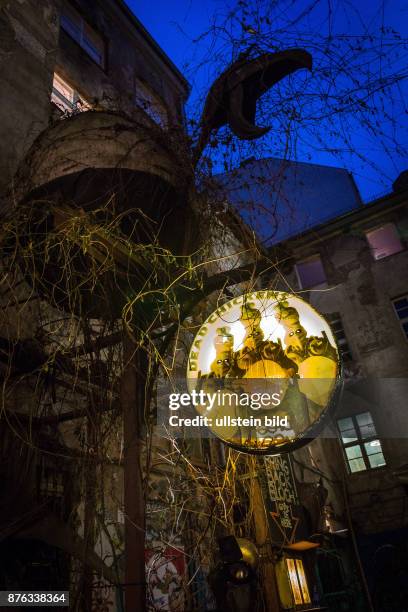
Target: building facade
89 109
98 196
91 120
353 270
348 260
78 56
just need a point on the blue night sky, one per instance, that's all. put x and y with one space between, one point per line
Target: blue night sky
374 153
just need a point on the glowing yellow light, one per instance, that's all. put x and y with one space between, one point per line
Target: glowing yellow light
302 580
265 343
294 582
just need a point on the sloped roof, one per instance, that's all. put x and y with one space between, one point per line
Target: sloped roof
280 198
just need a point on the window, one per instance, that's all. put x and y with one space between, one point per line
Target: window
74 25
336 325
401 309
298 581
310 272
384 241
150 102
66 97
362 448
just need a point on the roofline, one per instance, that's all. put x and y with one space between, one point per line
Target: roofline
378 206
155 45
285 160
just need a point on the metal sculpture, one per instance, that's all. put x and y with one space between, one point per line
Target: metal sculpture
233 96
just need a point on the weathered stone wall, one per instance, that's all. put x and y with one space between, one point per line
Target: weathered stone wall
32 47
361 289
129 56
28 48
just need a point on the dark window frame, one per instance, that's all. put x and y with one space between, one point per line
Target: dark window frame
335 321
403 321
360 441
306 260
375 228
72 5
156 108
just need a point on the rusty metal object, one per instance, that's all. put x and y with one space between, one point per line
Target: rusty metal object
233 96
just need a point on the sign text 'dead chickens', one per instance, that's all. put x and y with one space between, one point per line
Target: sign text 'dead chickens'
264 371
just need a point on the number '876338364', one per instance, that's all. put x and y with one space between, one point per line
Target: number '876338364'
34 598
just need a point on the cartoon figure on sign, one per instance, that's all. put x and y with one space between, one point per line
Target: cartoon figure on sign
259 358
224 344
283 349
316 359
298 345
295 333
251 319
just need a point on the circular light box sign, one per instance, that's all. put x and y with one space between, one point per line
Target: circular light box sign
265 371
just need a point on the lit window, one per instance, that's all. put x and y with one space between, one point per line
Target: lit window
310 272
66 97
401 309
298 581
336 325
150 103
361 445
384 241
74 25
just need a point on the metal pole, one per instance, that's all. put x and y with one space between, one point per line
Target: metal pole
133 405
262 537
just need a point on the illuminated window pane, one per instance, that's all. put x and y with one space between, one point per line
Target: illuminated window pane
346 423
384 241
373 447
374 453
357 465
366 425
354 452
348 436
310 272
302 580
66 97
62 94
377 460
361 446
347 430
294 581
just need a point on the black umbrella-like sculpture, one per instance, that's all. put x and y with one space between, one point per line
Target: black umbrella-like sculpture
233 96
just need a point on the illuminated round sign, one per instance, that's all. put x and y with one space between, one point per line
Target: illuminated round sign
264 370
